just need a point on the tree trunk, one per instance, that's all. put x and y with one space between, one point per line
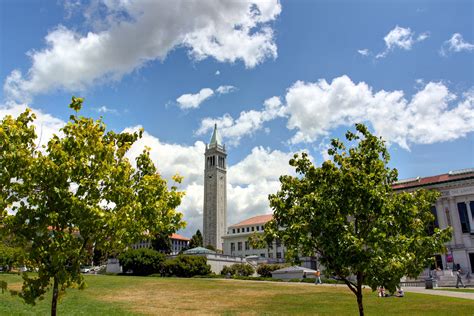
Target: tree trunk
359 302
359 293
54 302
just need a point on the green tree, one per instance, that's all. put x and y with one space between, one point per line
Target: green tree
196 240
186 266
161 243
238 269
346 212
78 192
142 261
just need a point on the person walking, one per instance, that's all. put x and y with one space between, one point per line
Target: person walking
318 277
459 278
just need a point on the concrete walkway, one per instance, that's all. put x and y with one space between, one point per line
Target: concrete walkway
440 292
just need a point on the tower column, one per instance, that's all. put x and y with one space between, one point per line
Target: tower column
215 192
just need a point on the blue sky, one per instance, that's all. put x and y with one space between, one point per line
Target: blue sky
277 77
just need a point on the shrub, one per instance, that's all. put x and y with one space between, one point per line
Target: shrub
186 266
265 270
142 261
9 257
227 270
239 269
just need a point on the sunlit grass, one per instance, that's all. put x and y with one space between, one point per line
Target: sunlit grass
127 295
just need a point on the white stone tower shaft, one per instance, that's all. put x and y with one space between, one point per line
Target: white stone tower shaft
215 192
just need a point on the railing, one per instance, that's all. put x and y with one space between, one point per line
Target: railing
415 283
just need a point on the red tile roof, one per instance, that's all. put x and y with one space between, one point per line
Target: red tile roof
260 219
179 237
442 178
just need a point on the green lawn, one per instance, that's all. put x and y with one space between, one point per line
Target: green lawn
126 295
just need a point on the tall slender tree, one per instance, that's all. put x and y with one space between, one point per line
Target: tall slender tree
346 211
196 240
77 192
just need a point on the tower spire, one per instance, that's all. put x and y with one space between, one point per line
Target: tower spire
216 138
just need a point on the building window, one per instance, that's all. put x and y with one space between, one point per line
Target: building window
239 246
471 204
262 255
253 228
238 230
270 255
258 228
232 247
248 229
233 230
247 247
434 224
463 217
278 255
278 243
261 228
270 245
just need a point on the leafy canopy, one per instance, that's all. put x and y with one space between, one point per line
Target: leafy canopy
77 193
346 212
196 240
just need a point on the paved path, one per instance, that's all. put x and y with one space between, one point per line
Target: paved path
466 295
421 290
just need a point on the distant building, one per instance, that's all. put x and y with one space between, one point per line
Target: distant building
236 242
217 261
215 192
454 208
178 243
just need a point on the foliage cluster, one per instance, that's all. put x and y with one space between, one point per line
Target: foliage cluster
76 193
196 240
142 261
346 211
186 266
9 257
238 269
265 270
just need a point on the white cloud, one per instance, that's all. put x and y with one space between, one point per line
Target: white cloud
456 44
249 181
246 124
225 89
131 33
104 109
363 52
192 101
432 115
402 38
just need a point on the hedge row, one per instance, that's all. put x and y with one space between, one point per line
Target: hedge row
147 262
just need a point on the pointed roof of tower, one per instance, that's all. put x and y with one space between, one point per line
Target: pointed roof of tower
216 138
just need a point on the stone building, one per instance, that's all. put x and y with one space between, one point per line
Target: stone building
177 243
236 241
455 208
215 192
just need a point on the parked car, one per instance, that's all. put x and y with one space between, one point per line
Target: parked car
85 269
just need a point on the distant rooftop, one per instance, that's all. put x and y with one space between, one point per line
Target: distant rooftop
256 220
454 175
198 250
179 237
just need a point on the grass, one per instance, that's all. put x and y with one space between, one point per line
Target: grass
128 295
455 289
